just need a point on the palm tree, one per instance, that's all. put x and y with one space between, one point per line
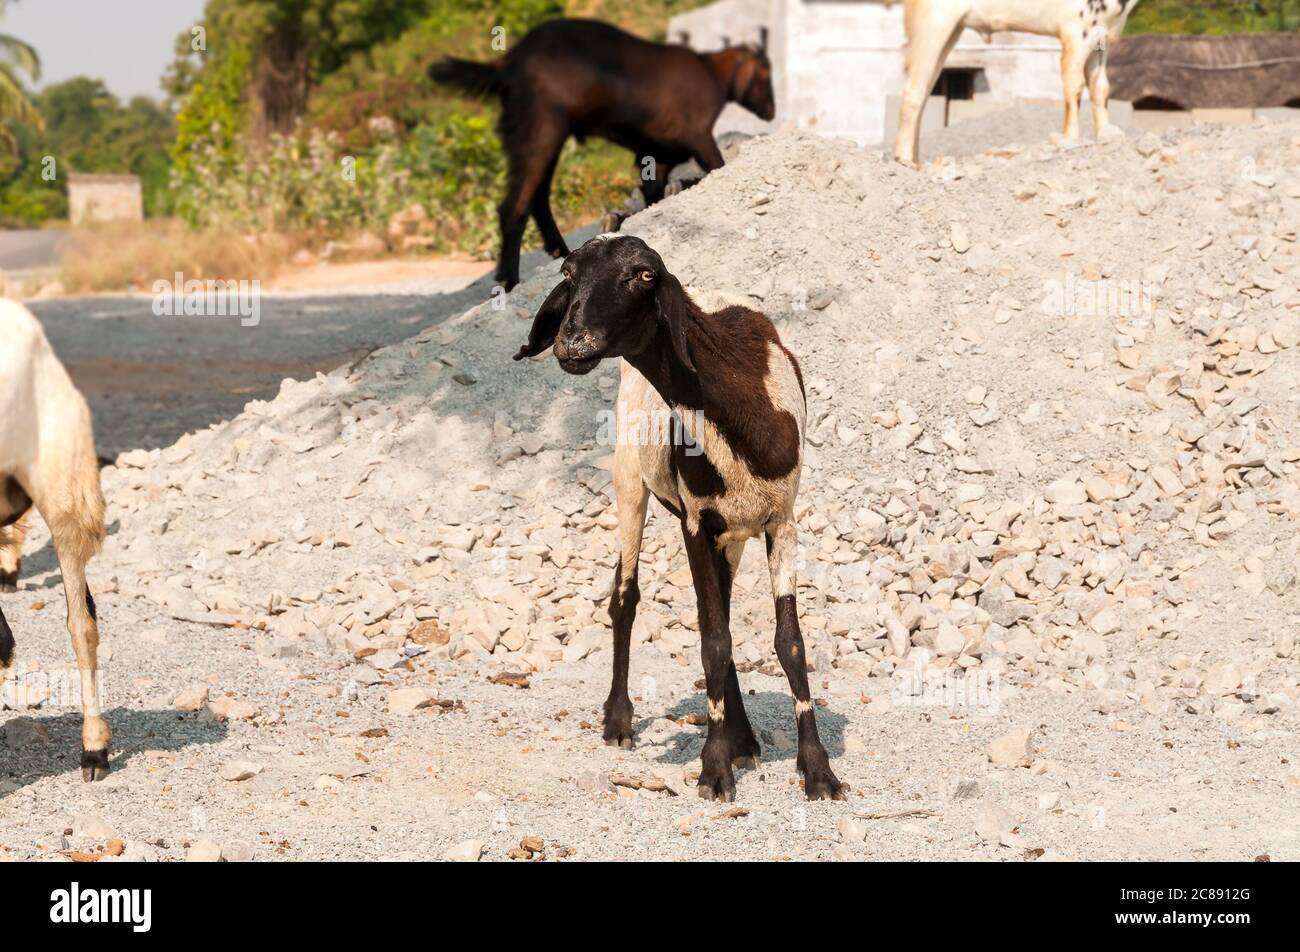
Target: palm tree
15 57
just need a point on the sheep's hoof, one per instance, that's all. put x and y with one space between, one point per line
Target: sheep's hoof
8 582
94 765
819 783
618 723
746 753
716 779
610 223
721 788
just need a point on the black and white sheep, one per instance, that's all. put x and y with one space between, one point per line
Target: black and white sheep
728 467
47 460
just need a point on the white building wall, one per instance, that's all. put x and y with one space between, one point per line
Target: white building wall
837 62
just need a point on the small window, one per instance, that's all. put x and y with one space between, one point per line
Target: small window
957 83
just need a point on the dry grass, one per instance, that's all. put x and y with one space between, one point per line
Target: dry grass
132 256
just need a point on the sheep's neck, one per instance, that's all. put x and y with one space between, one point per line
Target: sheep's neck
709 387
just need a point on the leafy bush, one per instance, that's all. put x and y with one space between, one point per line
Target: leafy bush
454 169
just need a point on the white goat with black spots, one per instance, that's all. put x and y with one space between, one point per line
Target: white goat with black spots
726 463
1086 29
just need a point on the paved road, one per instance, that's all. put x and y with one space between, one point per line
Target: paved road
28 249
150 379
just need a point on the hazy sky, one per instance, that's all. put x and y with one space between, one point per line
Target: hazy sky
126 43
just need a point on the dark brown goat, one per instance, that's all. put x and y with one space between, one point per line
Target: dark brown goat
584 78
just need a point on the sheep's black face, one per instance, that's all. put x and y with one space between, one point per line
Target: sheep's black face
605 307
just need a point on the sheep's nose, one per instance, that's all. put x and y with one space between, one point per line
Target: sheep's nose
578 347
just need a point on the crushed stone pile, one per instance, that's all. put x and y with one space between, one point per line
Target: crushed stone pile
1054 439
1021 123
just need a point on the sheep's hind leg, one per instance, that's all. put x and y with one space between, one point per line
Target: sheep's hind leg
717 782
74 544
11 554
745 749
819 781
931 36
552 237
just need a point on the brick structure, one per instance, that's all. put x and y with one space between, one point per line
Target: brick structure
100 198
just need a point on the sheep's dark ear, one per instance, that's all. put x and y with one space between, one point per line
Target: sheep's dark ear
547 322
671 299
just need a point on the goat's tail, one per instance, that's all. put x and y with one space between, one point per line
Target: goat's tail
477 79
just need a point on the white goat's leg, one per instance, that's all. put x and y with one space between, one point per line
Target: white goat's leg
932 32
1073 57
74 513
1099 94
11 554
82 625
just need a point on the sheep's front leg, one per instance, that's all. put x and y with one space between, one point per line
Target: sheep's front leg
745 749
819 782
631 498
716 779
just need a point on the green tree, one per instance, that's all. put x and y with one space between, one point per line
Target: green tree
16 57
285 48
1215 16
86 129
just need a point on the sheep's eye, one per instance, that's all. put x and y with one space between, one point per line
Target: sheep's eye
646 277
568 275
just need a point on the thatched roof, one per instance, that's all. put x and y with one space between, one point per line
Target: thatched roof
1239 70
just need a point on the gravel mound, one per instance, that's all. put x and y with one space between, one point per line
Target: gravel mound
1023 123
1052 423
1054 454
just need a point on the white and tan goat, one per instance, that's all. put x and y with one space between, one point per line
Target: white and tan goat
1086 29
47 460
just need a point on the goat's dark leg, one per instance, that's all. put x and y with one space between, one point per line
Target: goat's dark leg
716 779
552 238
532 150
652 189
6 649
707 156
630 497
745 750
819 782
